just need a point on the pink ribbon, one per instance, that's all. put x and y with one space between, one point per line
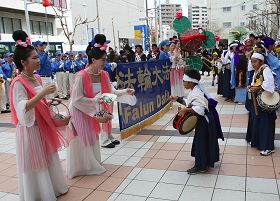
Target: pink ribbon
101 47
24 44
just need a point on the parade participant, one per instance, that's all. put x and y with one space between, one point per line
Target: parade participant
40 175
154 53
58 69
139 55
177 70
205 147
3 103
277 49
238 75
216 69
253 38
83 154
206 59
128 56
272 59
112 56
164 49
220 49
261 124
72 67
45 70
228 92
80 60
9 69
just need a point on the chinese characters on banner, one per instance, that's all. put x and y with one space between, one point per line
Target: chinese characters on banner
151 81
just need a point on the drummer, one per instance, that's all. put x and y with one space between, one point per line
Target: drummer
205 147
261 127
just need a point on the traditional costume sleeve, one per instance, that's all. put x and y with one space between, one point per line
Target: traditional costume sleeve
20 99
227 57
79 101
124 97
268 82
273 61
197 101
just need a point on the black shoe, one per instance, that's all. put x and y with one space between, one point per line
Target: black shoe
116 142
194 170
111 145
6 111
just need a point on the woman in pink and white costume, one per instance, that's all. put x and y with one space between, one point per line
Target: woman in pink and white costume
177 70
83 154
40 175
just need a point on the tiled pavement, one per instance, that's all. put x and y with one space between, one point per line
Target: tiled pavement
153 167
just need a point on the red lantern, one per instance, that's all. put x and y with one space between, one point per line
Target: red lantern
217 38
46 3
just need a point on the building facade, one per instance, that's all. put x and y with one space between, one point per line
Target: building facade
197 14
117 19
226 15
12 18
168 12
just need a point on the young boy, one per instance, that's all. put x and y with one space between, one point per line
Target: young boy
205 147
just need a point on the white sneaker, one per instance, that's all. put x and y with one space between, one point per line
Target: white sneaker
266 152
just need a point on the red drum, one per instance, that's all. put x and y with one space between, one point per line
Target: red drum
185 124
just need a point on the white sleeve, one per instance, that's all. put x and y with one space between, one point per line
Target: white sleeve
20 99
124 97
268 83
219 65
79 101
226 60
199 110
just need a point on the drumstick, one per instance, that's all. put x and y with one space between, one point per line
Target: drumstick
255 104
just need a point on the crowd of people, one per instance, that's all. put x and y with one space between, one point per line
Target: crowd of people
32 79
242 71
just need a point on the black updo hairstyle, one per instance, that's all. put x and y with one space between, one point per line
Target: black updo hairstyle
95 52
194 74
21 53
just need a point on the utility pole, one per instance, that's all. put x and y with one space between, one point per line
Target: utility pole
98 19
114 32
160 21
147 28
119 39
156 21
27 19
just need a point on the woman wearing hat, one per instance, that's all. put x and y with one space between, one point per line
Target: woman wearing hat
261 124
164 49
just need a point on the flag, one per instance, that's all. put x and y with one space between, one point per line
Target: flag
46 3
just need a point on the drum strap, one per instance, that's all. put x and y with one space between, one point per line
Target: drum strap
258 77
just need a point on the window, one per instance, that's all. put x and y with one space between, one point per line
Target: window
242 24
227 24
255 7
1 26
9 25
40 28
43 28
226 9
243 7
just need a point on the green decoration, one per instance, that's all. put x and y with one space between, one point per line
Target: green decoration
237 33
182 24
194 62
210 39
